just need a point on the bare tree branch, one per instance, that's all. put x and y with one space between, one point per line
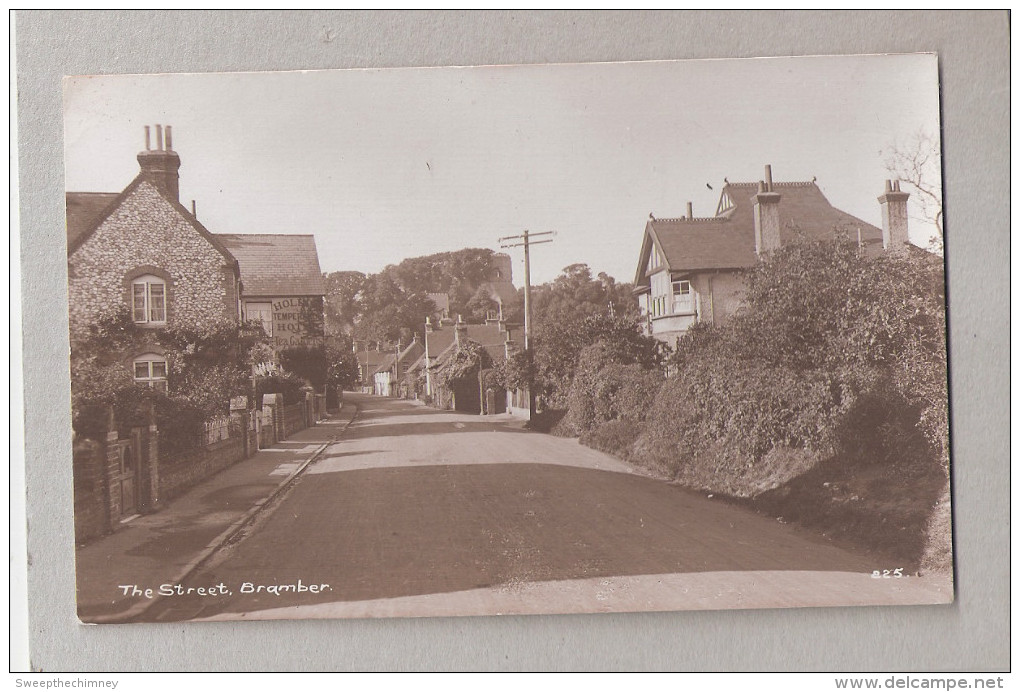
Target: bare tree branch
918 163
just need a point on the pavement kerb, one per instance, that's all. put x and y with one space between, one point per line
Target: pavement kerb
139 609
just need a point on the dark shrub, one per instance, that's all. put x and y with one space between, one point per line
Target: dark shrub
285 384
613 437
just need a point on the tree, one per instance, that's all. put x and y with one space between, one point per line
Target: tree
390 313
574 311
918 162
480 305
341 305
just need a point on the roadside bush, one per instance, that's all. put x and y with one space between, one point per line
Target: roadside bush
286 384
606 387
721 416
613 437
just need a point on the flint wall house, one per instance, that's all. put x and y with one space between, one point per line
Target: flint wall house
689 268
141 248
142 251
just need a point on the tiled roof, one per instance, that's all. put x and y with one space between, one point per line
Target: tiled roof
704 243
371 359
83 209
88 205
275 265
802 207
726 241
488 336
407 357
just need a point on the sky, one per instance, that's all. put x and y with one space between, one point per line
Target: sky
385 164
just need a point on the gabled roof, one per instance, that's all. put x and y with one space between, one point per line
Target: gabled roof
407 357
488 336
370 361
83 233
83 208
726 240
274 265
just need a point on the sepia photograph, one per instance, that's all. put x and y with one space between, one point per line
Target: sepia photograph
508 340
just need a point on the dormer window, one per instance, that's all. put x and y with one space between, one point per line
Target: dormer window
148 300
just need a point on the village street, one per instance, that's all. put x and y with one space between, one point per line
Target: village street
421 512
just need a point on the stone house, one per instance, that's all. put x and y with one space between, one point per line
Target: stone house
142 252
142 249
689 268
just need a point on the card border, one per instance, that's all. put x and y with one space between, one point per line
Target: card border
972 634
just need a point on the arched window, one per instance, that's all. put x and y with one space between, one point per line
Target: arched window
148 300
150 369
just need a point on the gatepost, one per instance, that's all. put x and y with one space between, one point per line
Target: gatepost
239 414
269 414
154 503
309 405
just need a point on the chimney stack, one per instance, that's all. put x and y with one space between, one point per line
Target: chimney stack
894 217
160 166
766 216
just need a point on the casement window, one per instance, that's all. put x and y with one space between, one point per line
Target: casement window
148 300
150 369
683 297
262 312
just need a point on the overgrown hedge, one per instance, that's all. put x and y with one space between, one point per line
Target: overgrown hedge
833 373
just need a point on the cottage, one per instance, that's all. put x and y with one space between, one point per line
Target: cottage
496 340
389 375
140 253
142 249
689 267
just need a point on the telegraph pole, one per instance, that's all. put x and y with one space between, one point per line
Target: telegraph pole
524 240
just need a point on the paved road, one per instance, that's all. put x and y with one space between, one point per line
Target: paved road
419 512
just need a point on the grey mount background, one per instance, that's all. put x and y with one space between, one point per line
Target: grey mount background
973 48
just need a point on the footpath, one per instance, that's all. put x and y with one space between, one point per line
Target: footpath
163 548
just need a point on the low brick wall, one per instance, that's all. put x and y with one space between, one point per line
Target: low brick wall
293 419
179 474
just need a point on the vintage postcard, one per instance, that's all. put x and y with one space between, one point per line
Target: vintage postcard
577 338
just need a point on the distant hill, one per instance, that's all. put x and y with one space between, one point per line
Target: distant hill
393 304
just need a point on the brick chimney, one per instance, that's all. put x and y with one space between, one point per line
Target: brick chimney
766 216
894 216
160 165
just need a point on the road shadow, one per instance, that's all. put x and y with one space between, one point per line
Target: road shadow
391 532
385 429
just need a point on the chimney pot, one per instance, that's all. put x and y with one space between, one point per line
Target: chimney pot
169 139
888 186
690 210
148 142
193 212
761 186
768 177
159 137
